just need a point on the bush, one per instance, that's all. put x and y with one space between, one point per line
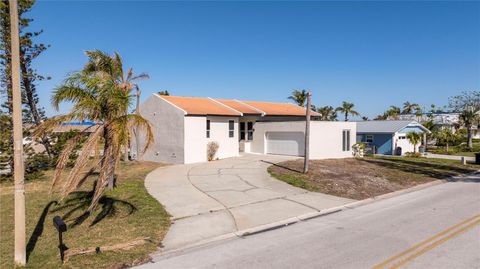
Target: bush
413 154
212 148
359 149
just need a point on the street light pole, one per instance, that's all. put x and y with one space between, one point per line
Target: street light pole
307 134
18 171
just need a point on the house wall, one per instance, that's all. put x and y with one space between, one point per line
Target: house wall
325 137
168 130
229 146
383 142
196 140
405 143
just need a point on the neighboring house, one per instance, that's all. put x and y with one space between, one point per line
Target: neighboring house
183 126
449 120
388 137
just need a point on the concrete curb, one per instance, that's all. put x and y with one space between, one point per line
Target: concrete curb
293 220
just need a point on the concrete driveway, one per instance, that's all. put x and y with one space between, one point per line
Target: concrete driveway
208 200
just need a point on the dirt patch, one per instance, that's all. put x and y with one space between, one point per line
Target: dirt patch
363 178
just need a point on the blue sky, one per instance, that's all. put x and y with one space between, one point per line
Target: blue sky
374 54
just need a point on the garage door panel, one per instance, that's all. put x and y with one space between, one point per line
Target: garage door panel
286 143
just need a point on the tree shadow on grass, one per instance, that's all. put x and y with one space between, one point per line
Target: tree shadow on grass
434 170
38 231
78 202
282 166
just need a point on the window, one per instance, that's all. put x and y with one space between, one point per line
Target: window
208 128
250 130
369 138
346 140
246 133
231 128
401 137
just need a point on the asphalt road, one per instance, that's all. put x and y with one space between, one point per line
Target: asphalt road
437 227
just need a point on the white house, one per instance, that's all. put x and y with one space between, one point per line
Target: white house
183 126
389 136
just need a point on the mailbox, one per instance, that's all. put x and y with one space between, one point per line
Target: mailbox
59 224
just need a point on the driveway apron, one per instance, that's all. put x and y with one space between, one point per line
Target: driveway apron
207 200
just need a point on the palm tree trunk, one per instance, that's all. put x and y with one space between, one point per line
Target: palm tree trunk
108 157
469 138
346 116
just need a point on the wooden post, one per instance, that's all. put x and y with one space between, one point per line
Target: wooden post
18 170
307 134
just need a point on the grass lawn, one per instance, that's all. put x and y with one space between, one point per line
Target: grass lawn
126 213
361 178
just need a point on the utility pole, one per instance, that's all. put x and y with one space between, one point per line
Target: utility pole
307 134
137 111
18 170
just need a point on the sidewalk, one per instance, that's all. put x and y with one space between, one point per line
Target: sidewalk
448 157
222 197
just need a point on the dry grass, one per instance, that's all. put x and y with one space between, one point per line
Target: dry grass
124 214
366 177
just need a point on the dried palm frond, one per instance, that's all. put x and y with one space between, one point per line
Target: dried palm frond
73 179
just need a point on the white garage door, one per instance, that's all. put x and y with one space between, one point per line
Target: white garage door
286 143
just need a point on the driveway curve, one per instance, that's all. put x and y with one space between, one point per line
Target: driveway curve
207 200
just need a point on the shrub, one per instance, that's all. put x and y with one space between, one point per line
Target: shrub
359 149
212 148
413 154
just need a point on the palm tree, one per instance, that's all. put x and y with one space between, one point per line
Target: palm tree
347 109
327 113
164 93
299 97
446 136
100 92
393 112
469 117
409 108
414 138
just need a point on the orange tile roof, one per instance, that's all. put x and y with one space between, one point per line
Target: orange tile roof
222 107
278 109
200 106
237 105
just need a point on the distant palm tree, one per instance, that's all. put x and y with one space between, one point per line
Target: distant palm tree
347 109
409 108
446 136
101 93
164 93
469 117
299 97
393 112
414 138
327 113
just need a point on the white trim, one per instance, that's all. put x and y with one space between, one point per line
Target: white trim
159 96
254 108
414 124
220 103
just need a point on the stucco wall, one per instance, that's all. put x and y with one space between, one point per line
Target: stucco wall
168 129
325 137
196 140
